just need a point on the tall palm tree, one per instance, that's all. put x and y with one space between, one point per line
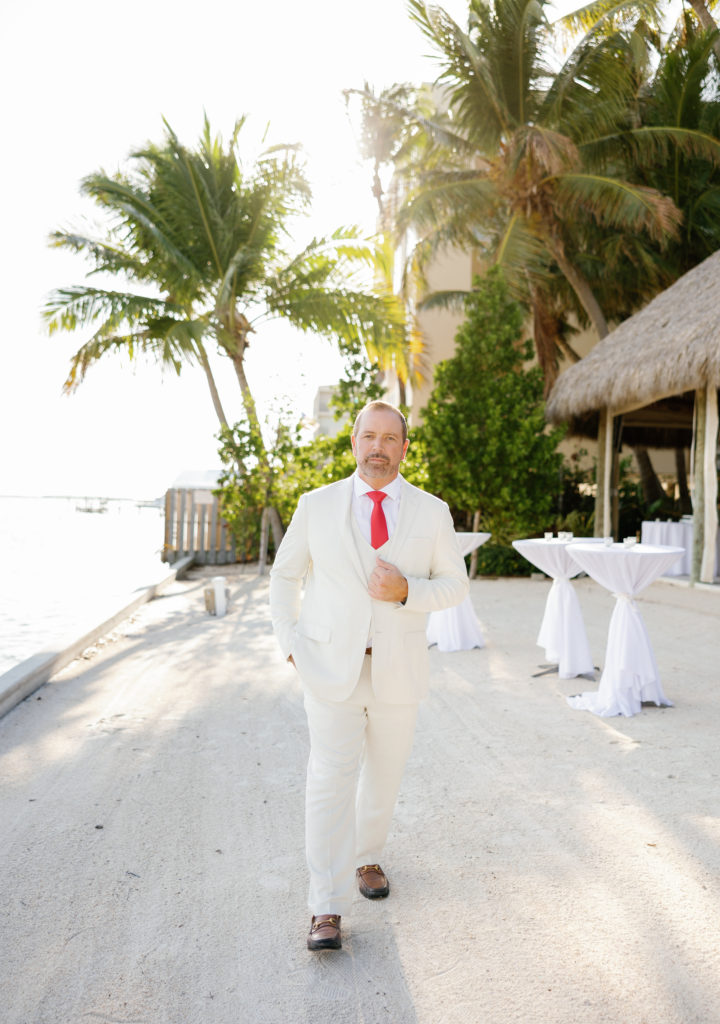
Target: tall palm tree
707 21
528 160
677 89
531 162
683 92
198 239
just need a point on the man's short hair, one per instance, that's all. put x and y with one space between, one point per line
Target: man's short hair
381 407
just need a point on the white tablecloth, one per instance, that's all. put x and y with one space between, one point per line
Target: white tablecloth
677 535
457 629
630 674
562 631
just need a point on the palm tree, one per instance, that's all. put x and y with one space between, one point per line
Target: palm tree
683 93
527 160
530 163
199 241
587 17
389 138
407 358
707 21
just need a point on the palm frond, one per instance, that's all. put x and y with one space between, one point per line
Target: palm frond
166 340
518 247
545 151
79 306
606 17
105 256
617 204
449 299
652 144
391 112
463 200
466 70
152 235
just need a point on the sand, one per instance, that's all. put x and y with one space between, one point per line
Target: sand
547 866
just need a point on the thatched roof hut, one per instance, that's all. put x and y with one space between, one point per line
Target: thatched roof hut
670 348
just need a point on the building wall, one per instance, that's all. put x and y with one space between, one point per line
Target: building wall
325 423
450 272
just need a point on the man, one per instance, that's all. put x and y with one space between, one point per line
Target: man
377 555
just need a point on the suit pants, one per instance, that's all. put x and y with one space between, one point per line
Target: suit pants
358 750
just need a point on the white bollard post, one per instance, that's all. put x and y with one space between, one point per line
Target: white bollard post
218 583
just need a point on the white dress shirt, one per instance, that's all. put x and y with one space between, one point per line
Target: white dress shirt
362 506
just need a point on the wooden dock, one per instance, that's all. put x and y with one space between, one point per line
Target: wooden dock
194 526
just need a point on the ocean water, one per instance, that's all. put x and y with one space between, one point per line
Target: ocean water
63 571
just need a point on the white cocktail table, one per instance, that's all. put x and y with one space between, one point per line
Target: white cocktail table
562 631
630 674
676 535
458 629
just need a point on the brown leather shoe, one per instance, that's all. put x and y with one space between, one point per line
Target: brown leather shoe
372 882
325 932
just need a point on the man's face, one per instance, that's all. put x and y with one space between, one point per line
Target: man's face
378 447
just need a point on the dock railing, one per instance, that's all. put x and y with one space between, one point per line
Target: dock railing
194 526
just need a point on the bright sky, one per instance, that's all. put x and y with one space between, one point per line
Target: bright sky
84 83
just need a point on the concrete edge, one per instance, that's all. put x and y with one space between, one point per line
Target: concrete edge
684 581
19 682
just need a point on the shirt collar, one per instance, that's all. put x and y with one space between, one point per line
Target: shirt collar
392 489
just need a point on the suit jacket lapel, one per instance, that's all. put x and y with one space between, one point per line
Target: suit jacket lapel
345 494
406 517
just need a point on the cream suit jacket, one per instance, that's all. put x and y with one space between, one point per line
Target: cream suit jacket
326 628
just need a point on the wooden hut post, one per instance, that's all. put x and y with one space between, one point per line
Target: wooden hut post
698 484
710 485
600 473
603 524
615 477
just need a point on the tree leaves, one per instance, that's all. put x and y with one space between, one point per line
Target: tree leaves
484 426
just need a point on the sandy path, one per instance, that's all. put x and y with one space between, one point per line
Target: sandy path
548 867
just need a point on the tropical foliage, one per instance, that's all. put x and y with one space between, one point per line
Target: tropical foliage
484 433
292 465
535 167
277 475
685 92
199 238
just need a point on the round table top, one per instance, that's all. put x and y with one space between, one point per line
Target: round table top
469 541
625 569
551 555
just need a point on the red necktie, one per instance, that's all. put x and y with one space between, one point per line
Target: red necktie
378 523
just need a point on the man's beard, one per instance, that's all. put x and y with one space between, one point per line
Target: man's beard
382 466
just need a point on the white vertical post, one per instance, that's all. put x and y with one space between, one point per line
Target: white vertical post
710 490
607 472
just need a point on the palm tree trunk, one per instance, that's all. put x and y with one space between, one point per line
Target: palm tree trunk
264 530
249 402
583 291
707 21
683 489
606 453
276 526
653 491
214 394
270 517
